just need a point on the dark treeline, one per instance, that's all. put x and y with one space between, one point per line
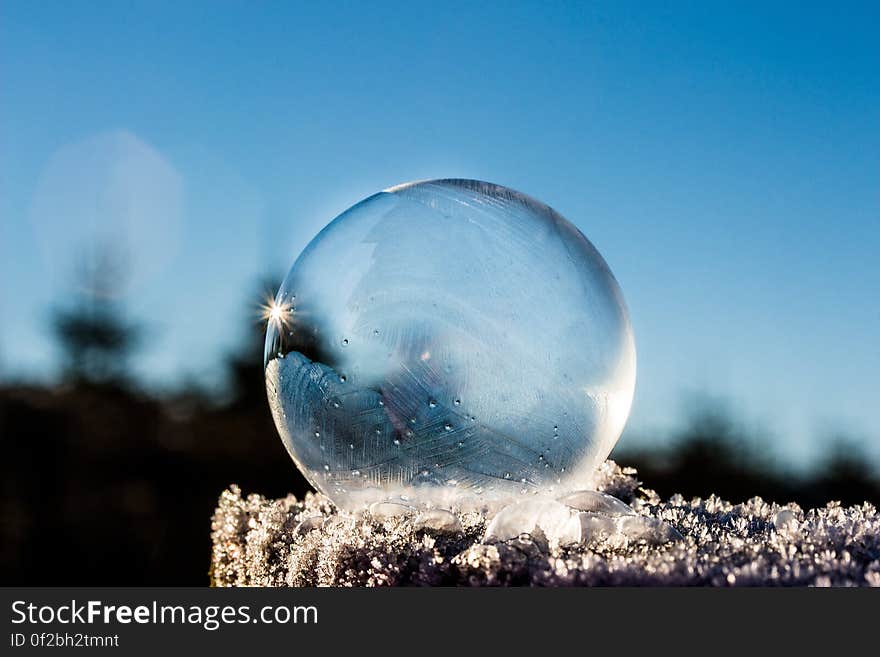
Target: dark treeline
711 454
105 484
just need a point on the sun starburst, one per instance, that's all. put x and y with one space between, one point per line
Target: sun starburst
276 313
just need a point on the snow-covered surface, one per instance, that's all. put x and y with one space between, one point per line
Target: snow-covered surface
587 541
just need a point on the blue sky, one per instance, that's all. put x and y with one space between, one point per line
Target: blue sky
724 158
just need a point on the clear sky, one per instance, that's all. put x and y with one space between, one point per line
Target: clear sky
723 157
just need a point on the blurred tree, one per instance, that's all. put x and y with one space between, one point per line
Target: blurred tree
712 453
94 337
846 474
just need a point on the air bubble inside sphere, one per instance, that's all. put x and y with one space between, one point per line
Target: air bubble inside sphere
449 341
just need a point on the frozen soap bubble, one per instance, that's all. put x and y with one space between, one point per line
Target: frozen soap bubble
449 340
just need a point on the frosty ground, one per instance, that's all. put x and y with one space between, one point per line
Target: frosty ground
291 542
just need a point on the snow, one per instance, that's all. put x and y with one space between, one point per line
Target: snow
587 540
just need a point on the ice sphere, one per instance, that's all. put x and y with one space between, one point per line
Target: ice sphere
555 521
596 502
449 339
786 521
385 510
650 530
596 527
439 521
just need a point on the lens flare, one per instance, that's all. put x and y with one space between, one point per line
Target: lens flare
276 315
